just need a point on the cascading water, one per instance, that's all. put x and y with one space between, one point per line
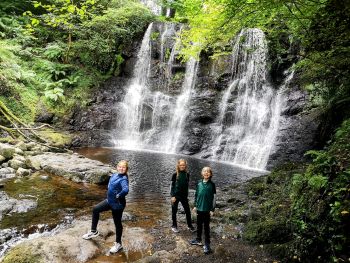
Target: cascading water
153 113
149 118
153 6
181 109
128 126
250 108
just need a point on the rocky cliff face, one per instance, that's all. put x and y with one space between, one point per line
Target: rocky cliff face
93 125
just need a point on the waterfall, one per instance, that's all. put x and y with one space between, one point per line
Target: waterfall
150 117
168 32
128 126
155 109
181 109
153 6
250 108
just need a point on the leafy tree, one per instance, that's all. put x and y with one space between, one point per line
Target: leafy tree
214 22
65 15
101 45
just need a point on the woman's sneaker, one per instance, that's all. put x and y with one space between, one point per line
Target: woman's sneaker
117 247
91 234
174 229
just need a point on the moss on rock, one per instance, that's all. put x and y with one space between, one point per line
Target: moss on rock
56 138
22 254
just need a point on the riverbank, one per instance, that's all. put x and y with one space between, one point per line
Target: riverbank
147 236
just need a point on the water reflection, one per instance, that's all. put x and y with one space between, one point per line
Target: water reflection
150 172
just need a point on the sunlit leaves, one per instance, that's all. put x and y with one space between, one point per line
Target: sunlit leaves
213 21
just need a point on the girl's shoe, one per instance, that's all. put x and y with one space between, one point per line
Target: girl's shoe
174 229
192 229
91 234
196 242
117 247
206 249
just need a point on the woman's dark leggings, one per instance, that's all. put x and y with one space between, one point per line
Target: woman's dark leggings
117 218
203 218
174 207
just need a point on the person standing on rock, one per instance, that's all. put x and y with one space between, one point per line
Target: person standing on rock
204 205
118 188
179 193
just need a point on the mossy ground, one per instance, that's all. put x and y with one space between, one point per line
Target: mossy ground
55 137
22 254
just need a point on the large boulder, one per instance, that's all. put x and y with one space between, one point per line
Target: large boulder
68 246
10 205
72 166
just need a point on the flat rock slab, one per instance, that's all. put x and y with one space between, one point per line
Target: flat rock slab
10 205
72 166
68 246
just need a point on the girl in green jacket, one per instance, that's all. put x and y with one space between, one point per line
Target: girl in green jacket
204 205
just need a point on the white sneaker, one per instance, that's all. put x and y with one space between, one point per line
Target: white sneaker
116 248
91 234
175 230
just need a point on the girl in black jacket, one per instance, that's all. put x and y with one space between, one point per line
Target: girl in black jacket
179 193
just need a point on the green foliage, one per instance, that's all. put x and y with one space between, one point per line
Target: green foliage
62 14
54 51
54 94
327 60
214 23
310 210
99 43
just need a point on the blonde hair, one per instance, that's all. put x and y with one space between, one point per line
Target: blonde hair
207 168
124 162
178 168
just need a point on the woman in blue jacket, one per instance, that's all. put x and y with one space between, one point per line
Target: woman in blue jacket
118 188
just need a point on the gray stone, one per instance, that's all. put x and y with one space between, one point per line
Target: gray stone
2 158
10 205
68 246
24 205
72 167
23 172
7 150
21 145
31 145
19 151
33 163
17 162
7 170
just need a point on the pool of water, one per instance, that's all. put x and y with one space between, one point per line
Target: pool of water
150 172
59 201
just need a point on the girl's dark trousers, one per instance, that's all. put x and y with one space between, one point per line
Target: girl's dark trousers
174 207
117 218
203 218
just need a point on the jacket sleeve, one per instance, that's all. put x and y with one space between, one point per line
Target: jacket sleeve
214 197
196 195
172 186
125 188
